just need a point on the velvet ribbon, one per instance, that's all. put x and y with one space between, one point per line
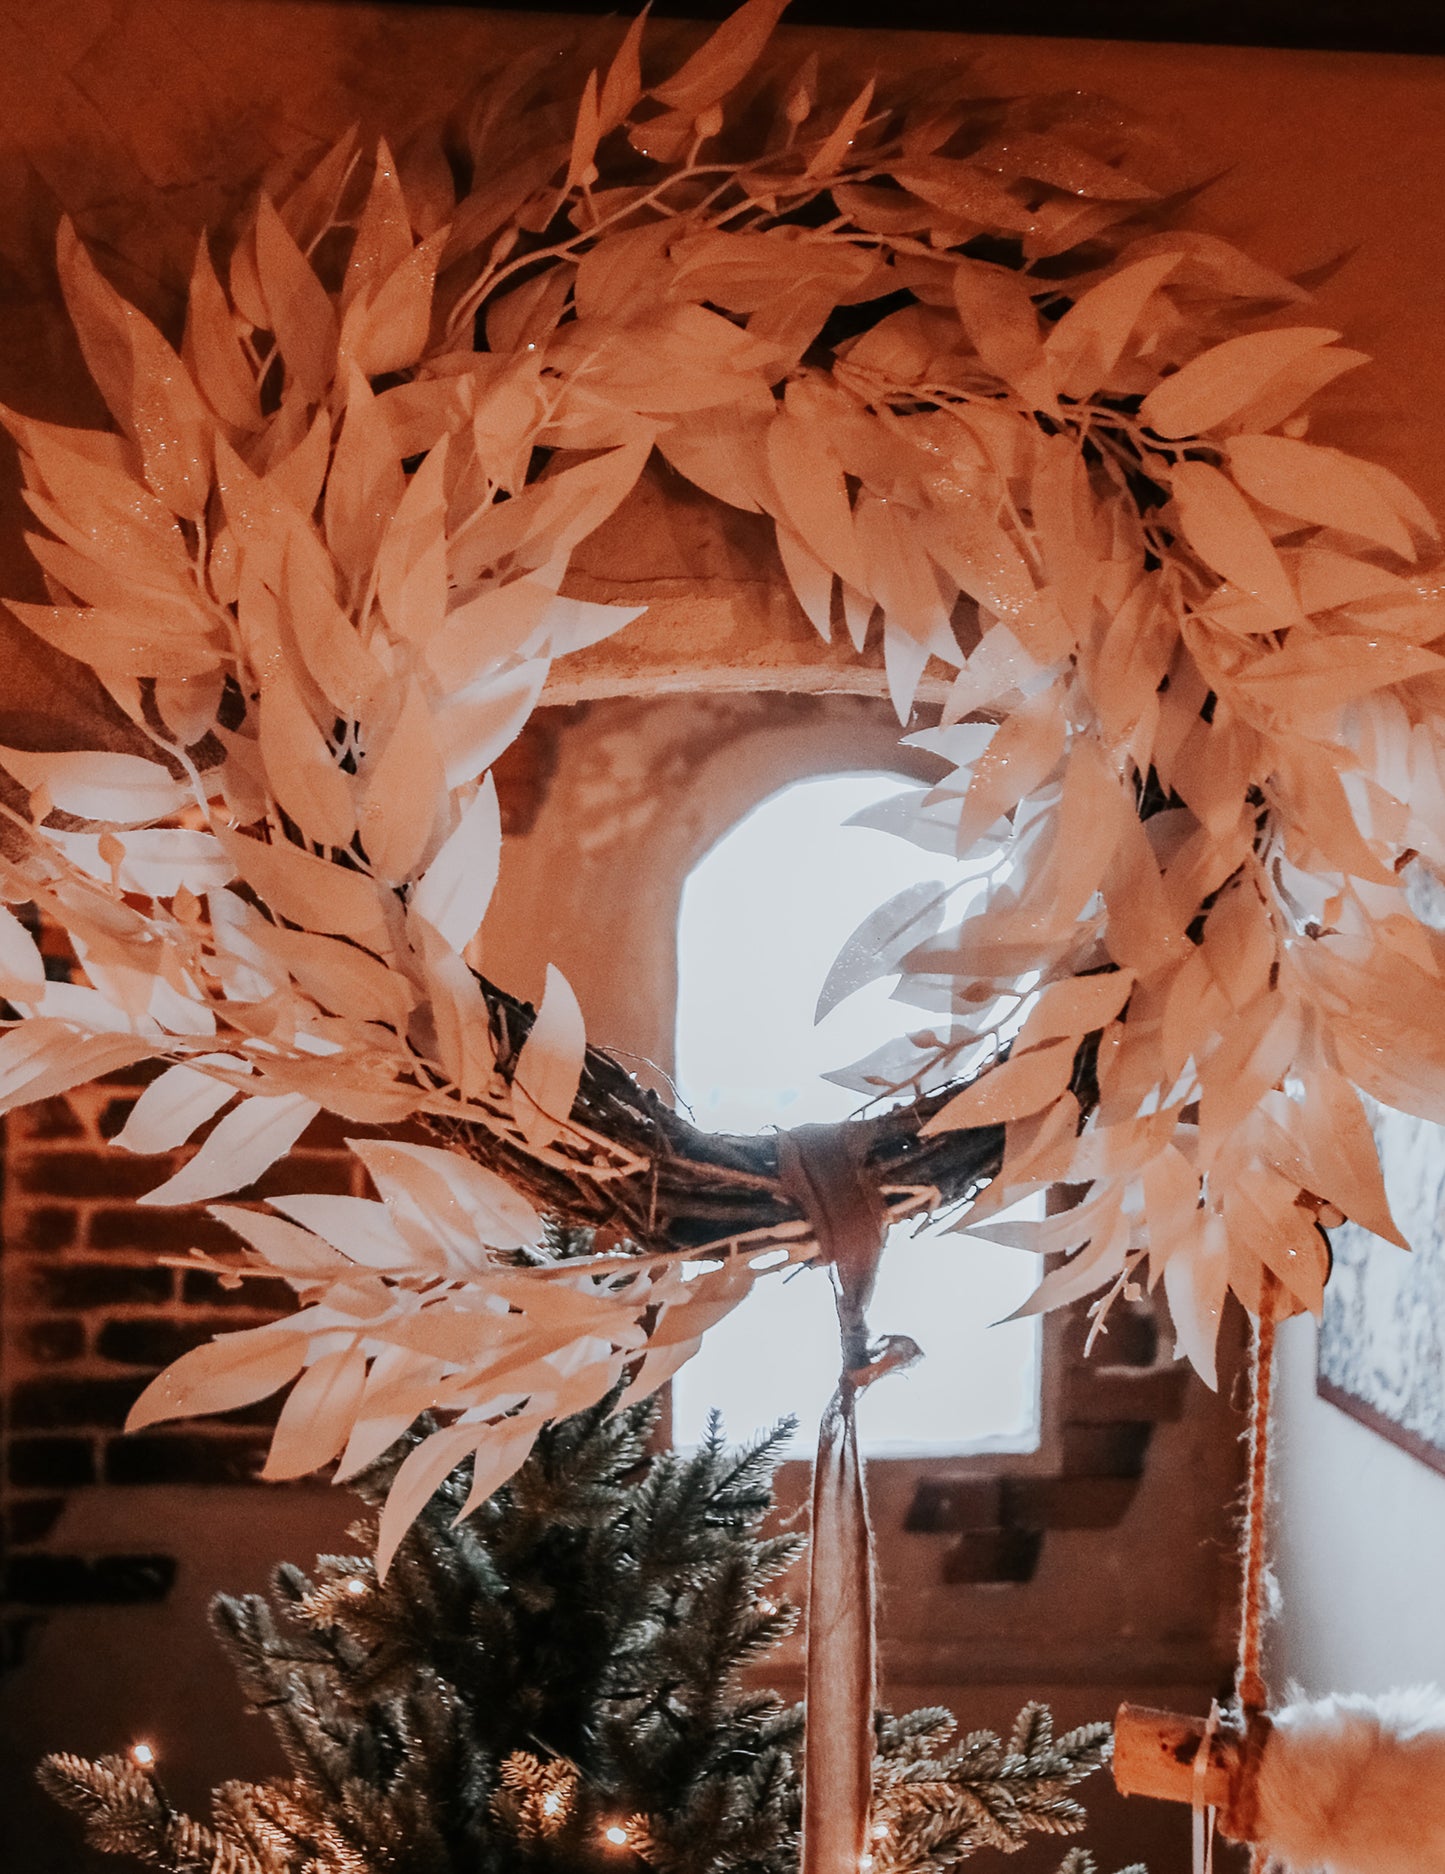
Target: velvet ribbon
822 1174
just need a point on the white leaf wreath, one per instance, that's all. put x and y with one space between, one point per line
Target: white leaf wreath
1000 415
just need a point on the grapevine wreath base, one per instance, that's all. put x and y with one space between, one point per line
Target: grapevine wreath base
1006 418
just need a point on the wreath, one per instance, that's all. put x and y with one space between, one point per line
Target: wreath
1004 420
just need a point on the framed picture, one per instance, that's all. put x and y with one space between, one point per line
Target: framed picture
1382 1340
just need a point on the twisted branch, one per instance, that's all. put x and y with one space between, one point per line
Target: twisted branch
699 1190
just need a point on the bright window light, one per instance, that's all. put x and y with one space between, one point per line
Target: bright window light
763 916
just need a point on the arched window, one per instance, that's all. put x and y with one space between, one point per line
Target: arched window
763 915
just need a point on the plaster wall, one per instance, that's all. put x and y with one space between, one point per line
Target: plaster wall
1360 1549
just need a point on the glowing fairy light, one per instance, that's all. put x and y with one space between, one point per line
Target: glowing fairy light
615 1834
356 1586
142 1756
552 1803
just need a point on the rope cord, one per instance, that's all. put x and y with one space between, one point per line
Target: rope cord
1249 1684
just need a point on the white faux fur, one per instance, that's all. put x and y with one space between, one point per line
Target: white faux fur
1354 1785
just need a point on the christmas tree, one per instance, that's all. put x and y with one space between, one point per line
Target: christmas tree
557 1680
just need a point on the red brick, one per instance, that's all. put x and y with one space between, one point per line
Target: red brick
1116 1450
53 1119
41 1580
31 1519
1068 1502
97 1285
46 1228
328 1132
155 1340
329 1172
140 1074
157 1232
115 1113
959 1504
184 1458
50 1463
266 1297
88 1174
62 1402
51 1341
993 1558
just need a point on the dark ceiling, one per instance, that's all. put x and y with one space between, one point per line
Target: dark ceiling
1335 25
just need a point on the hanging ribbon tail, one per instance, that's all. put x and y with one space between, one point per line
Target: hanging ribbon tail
823 1177
841 1667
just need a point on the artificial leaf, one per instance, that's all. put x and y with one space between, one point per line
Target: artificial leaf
1076 1007
387 331
318 1414
549 1067
173 1107
146 385
213 350
366 483
479 723
1085 345
1224 531
880 943
298 309
996 309
831 152
300 473
1196 1280
156 863
501 1455
125 789
45 1056
811 489
622 86
1212 387
22 968
1025 1083
232 1370
459 1012
244 1143
423 1469
1319 485
457 1199
453 893
357 1228
383 235
302 889
403 792
338 663
297 1253
722 61
301 766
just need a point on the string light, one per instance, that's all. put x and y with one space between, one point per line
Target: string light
356 1585
880 1831
142 1755
552 1803
616 1834
865 1862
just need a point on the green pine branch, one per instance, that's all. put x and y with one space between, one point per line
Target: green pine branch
574 1657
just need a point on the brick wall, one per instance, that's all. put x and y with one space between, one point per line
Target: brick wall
89 1313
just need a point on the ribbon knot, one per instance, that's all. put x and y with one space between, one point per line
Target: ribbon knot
821 1171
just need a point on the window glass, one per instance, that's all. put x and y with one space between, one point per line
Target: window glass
763 916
